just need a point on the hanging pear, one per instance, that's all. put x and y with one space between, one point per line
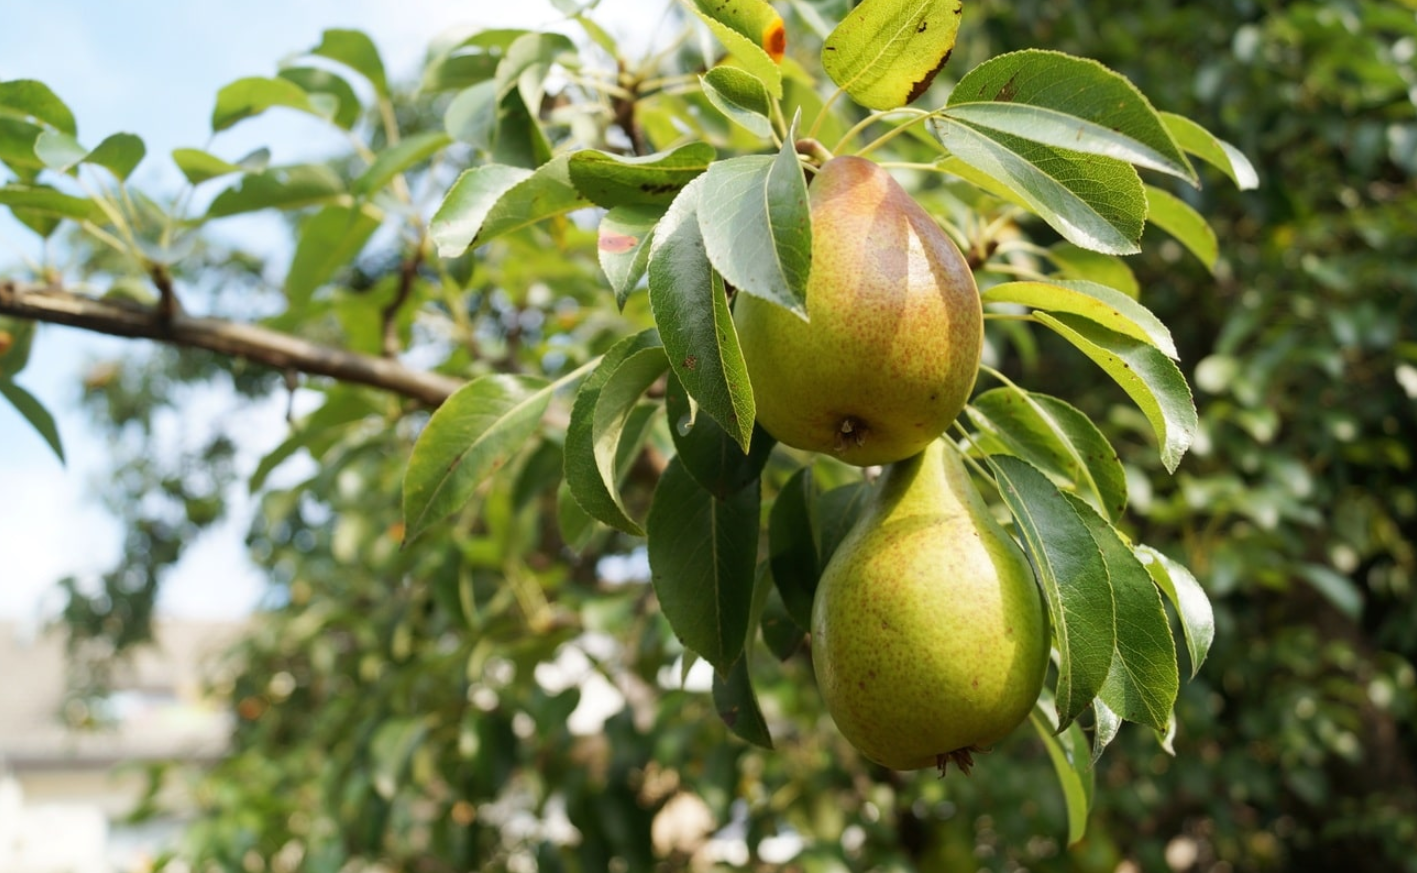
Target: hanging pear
929 635
892 349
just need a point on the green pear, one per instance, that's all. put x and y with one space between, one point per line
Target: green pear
929 635
892 347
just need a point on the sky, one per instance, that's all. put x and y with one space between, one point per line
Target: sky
153 67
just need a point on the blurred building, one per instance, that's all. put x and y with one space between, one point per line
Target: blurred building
65 794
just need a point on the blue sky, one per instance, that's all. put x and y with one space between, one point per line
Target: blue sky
153 67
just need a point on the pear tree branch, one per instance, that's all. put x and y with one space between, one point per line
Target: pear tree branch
166 323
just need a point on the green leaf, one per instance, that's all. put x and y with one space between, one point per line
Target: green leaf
1153 382
623 244
1176 217
1187 596
1068 752
59 151
253 95
457 64
1106 724
1142 682
315 81
357 51
291 187
690 306
44 200
652 180
469 437
702 558
1073 574
16 342
1214 151
1337 589
396 159
1078 263
593 427
837 511
344 406
1095 202
885 53
390 752
199 166
1054 437
329 239
119 153
1070 103
757 227
792 546
34 412
488 201
28 98
737 705
472 116
527 62
747 52
17 141
741 97
710 454
1098 303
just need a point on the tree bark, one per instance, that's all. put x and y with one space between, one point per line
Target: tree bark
54 305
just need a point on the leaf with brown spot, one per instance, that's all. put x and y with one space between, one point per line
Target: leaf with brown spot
885 54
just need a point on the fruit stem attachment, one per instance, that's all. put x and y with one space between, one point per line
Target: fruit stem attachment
962 758
813 150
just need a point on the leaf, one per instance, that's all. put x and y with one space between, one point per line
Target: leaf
344 406
623 244
1095 202
45 200
741 97
469 437
1106 724
1337 589
1071 103
488 201
1056 438
616 400
690 307
747 52
702 557
329 239
33 412
119 153
199 166
1097 303
461 62
1150 378
29 98
251 96
1214 151
1142 682
651 180
710 454
757 227
1178 218
756 20
472 116
1067 751
17 141
355 50
595 492
390 751
737 705
792 546
885 53
315 81
1079 263
1073 573
59 151
526 64
837 511
293 187
396 159
1187 596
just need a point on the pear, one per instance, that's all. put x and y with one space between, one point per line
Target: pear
929 635
891 350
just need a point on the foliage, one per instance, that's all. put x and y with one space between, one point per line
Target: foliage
432 706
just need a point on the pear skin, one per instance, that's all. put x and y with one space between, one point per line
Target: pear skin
929 634
892 348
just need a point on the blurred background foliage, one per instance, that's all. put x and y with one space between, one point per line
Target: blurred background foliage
505 696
